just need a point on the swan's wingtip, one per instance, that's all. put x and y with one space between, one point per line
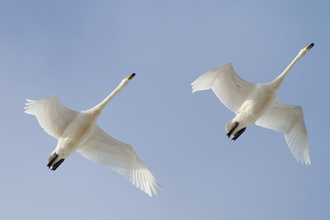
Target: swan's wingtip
305 161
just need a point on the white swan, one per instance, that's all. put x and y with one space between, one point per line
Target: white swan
257 103
78 131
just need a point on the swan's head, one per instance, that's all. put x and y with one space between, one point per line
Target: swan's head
304 51
125 81
133 74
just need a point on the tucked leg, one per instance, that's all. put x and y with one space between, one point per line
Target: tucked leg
232 130
238 133
57 164
52 159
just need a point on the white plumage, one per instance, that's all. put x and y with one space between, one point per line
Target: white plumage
78 131
257 103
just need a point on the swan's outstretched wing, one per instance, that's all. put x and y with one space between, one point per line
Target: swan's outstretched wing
226 84
52 116
120 157
289 119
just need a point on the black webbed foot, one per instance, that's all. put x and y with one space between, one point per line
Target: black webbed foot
52 159
238 133
57 164
232 130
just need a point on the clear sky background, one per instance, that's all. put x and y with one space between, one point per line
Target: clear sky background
81 50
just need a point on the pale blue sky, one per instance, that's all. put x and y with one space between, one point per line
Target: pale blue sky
81 50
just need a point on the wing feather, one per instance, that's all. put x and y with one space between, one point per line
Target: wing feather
226 84
289 119
120 157
52 116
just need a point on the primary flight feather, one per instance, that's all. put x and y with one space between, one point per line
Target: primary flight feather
78 131
257 103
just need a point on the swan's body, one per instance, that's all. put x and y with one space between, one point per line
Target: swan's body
78 131
257 103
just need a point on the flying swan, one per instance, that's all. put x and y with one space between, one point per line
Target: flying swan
78 131
257 103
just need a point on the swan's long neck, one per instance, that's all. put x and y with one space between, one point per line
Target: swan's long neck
278 81
98 109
